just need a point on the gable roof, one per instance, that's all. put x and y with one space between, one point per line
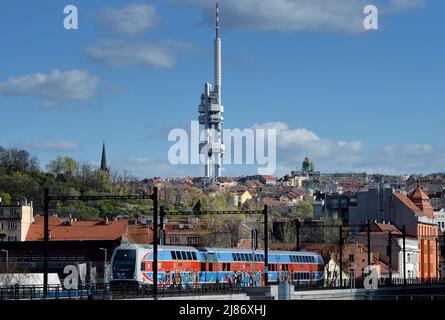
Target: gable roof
78 230
410 204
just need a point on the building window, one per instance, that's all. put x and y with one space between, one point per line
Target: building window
173 240
351 258
193 240
12 226
12 238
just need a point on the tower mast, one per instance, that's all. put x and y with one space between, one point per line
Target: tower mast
211 111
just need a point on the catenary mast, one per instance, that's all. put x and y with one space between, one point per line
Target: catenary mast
210 114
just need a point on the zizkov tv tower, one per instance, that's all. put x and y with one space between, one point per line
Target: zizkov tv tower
210 115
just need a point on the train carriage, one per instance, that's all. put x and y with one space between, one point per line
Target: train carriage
132 266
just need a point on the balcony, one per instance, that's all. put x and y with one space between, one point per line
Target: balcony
10 214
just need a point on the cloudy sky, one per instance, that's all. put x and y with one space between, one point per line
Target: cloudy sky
349 98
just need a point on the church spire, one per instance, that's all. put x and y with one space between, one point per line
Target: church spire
103 162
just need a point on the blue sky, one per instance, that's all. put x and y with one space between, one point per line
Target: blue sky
351 99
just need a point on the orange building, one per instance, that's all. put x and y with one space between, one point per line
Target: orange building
416 213
427 236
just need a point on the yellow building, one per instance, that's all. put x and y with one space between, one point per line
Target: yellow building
15 221
240 197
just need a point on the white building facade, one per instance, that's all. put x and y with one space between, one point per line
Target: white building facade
15 221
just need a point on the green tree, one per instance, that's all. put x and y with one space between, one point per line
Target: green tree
5 197
305 210
63 166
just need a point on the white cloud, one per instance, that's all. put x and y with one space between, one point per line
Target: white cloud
161 55
71 84
296 15
131 20
336 155
55 146
294 144
408 150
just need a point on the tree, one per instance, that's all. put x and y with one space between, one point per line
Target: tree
305 210
5 197
62 166
15 160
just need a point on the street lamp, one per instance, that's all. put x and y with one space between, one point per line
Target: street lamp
105 262
7 259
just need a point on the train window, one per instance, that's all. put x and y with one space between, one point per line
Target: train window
238 257
142 266
249 257
226 266
183 255
233 257
194 256
210 266
245 256
189 255
178 255
174 255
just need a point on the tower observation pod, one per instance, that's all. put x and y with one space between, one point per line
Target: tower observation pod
211 114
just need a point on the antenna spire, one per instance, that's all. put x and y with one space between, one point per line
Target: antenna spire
217 19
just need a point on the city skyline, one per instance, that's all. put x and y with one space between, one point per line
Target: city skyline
350 99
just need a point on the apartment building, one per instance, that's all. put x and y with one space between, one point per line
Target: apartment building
15 220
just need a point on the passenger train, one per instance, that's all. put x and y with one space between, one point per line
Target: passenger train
182 266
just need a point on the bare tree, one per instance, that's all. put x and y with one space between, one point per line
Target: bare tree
13 274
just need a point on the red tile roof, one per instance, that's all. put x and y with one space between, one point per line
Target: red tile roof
388 227
78 230
271 178
407 202
139 233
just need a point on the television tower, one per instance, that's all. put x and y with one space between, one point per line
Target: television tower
210 114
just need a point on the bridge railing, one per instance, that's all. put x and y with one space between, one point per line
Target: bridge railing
358 283
103 291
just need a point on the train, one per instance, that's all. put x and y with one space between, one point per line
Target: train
132 266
